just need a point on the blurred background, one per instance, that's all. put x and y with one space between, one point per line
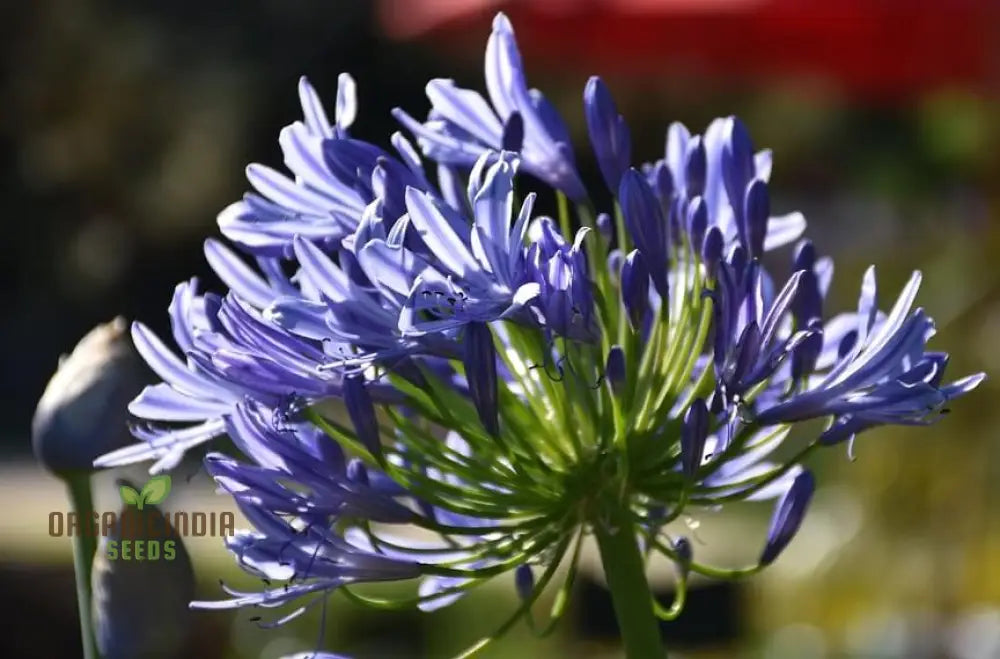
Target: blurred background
125 128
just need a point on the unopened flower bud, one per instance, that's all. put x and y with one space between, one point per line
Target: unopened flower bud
524 581
695 167
83 412
142 584
635 288
480 360
788 516
513 133
697 223
609 134
361 410
684 553
614 367
616 259
711 249
756 211
605 226
694 432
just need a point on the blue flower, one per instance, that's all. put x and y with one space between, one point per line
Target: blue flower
311 557
335 179
480 274
693 436
883 373
187 394
480 362
414 285
609 133
462 125
316 203
749 343
231 351
648 227
298 474
635 288
565 302
704 181
788 516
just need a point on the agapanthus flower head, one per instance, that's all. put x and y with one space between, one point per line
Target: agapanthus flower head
428 382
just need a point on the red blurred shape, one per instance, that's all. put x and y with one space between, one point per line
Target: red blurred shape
887 48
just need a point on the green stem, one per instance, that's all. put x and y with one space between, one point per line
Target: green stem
84 546
626 575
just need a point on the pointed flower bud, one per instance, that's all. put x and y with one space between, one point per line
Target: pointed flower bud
756 211
685 554
737 166
513 133
697 223
83 412
635 288
645 222
346 109
711 249
695 167
738 260
605 226
662 180
788 516
609 134
524 581
806 352
694 432
480 360
361 410
616 260
805 256
808 303
614 368
747 352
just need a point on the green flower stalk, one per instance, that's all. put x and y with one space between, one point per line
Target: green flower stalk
80 416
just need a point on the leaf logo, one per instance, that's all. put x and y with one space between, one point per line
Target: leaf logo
153 492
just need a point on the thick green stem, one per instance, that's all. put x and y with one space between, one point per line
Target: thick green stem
84 546
626 575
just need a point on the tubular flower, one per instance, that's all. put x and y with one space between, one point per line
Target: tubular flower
462 125
335 179
439 387
609 133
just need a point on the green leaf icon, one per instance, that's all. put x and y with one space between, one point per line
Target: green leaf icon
156 490
129 495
